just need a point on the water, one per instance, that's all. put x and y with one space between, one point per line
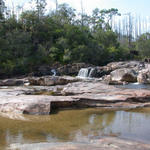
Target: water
87 72
135 86
76 125
84 72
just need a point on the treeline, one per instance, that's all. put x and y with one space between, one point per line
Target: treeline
62 36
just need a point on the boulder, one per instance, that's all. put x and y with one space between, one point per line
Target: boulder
52 80
144 76
106 70
127 75
108 80
119 65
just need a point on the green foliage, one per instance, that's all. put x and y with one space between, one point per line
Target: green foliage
143 45
36 39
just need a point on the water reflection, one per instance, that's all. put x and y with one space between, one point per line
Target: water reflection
76 125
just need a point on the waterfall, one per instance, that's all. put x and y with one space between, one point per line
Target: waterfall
54 72
84 72
87 72
92 72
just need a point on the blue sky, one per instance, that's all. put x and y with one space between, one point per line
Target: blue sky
140 7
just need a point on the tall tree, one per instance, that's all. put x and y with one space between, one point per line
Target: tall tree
2 9
40 7
56 2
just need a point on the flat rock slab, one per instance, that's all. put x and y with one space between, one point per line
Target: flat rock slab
31 104
52 80
78 94
101 144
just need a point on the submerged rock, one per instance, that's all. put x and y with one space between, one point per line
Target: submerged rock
107 143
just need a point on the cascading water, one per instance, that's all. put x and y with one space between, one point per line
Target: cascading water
83 73
87 72
92 73
54 72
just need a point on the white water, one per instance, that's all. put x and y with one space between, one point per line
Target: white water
86 72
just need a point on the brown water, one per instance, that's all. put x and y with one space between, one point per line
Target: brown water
76 125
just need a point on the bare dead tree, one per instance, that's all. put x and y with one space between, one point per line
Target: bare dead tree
82 12
56 2
139 26
130 28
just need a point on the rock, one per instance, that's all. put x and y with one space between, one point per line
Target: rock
72 69
107 143
52 80
107 79
12 82
124 72
77 94
127 75
44 71
144 76
32 104
147 66
119 65
102 71
106 70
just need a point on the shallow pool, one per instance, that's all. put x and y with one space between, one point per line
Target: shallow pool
76 125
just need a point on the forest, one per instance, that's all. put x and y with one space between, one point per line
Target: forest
35 38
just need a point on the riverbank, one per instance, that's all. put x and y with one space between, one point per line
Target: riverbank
46 99
49 95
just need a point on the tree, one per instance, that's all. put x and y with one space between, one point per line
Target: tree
40 7
2 9
143 45
64 14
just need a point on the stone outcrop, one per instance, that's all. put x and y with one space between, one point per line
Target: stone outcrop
102 71
65 91
144 76
107 143
119 65
127 75
52 80
72 69
77 94
13 82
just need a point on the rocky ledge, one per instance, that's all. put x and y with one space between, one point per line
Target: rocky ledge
100 144
45 99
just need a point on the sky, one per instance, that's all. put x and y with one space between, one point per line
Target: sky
139 7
